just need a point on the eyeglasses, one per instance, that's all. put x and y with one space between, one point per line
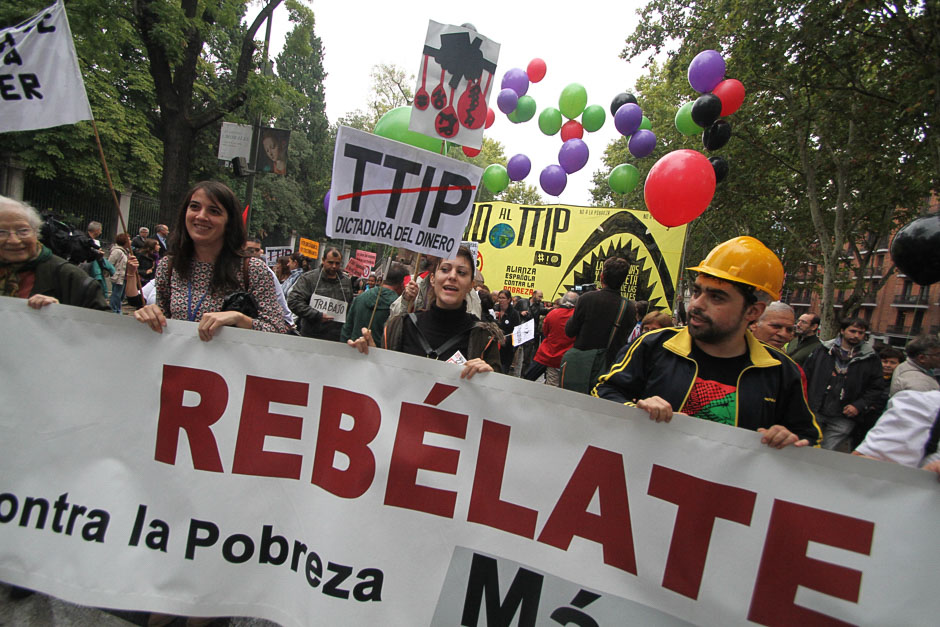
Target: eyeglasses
21 233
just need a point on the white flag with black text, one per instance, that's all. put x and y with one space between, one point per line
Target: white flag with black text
40 82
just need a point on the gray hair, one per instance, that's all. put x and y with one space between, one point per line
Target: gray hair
569 299
776 307
94 225
921 344
32 216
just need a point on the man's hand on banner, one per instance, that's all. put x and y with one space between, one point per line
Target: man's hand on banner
151 315
658 408
38 301
363 343
779 436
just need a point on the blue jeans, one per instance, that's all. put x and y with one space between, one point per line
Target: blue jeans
117 297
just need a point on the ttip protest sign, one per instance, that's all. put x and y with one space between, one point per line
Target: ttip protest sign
243 478
392 193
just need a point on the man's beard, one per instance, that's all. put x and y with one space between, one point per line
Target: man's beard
709 333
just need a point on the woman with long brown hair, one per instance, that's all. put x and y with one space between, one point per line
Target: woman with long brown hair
206 278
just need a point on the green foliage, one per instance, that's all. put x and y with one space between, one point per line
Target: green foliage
837 132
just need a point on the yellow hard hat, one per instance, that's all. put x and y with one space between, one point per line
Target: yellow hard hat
745 260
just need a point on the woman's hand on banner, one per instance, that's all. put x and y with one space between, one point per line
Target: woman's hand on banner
151 315
474 366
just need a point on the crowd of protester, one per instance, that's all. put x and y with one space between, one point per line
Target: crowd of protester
743 358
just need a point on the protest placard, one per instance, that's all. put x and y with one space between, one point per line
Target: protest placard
309 248
272 254
455 80
366 256
392 193
332 307
41 84
523 333
356 267
251 480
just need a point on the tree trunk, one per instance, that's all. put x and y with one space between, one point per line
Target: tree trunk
177 157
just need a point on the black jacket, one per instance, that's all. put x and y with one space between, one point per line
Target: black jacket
594 317
864 382
769 391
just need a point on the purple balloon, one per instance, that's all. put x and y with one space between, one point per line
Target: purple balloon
518 167
642 143
517 80
573 155
553 180
507 100
706 71
628 118
326 202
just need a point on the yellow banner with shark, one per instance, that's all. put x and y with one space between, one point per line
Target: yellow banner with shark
556 248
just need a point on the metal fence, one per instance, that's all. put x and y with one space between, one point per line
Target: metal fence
80 205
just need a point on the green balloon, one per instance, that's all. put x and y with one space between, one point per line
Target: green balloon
593 118
495 178
525 110
684 123
572 100
645 123
623 178
550 120
394 125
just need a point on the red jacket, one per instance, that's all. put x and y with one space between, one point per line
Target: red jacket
556 343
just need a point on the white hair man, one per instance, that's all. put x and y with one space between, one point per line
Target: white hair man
776 326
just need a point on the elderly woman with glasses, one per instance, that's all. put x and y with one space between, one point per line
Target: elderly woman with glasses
29 270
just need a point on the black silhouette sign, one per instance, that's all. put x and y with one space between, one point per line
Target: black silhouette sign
454 83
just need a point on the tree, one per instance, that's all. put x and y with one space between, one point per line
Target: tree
120 92
177 36
825 138
391 88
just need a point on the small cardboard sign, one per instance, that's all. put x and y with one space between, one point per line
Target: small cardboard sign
329 307
309 248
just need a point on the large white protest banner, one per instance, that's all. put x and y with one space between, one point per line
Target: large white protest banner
40 82
392 193
297 480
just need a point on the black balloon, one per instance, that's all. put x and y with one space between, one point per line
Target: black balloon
720 165
620 100
716 135
706 109
915 249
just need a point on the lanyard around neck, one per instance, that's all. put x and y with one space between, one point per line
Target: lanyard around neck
190 312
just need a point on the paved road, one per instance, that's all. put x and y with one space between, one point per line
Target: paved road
40 610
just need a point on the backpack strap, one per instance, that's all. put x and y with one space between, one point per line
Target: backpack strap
613 331
434 353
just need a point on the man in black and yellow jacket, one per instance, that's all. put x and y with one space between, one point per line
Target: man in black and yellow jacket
714 368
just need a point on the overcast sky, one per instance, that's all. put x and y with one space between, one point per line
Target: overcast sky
579 42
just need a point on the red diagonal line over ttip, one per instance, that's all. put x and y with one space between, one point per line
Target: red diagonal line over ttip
407 190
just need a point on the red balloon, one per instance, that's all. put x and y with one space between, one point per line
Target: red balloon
490 118
536 70
571 129
470 152
731 94
679 187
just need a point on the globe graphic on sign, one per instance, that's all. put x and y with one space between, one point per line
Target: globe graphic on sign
502 235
